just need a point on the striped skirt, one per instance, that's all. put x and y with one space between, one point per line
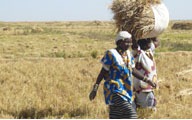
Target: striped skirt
121 109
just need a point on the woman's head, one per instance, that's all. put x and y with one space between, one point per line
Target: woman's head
145 44
123 40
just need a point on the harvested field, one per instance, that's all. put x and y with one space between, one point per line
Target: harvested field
49 74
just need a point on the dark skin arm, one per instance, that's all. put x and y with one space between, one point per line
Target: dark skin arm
135 45
140 76
156 42
100 77
137 74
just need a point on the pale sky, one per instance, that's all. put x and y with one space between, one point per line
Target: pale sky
76 10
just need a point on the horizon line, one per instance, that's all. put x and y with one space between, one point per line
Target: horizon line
83 20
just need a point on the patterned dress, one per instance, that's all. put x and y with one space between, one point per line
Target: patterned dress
145 64
118 85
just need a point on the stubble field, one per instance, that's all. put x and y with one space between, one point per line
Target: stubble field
47 70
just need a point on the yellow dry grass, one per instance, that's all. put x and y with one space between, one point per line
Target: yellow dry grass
49 73
40 88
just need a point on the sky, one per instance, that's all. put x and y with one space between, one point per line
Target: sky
76 10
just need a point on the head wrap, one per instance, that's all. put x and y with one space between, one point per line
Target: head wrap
122 35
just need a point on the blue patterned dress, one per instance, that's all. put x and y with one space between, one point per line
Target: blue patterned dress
120 75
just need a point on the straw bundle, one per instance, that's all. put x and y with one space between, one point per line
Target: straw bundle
134 16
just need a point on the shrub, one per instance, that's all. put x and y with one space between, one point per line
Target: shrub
94 54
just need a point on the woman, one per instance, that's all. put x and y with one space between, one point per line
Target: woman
145 64
117 72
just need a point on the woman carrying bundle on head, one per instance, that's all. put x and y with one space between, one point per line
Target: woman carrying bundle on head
145 20
145 64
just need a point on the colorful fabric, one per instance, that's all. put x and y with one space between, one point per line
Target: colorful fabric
120 77
145 99
145 64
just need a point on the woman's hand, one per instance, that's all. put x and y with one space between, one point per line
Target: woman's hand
93 93
150 83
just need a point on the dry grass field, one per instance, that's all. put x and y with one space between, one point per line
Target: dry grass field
47 70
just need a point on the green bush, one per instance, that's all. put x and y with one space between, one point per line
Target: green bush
94 54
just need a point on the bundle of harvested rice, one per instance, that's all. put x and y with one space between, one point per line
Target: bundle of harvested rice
140 17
